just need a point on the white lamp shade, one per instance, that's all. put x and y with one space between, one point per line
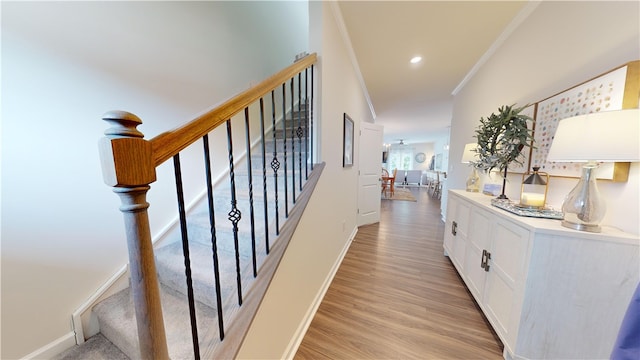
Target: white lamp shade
604 137
469 153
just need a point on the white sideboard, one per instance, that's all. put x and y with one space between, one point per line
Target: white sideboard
549 292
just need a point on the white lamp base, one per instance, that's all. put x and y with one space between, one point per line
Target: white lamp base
473 181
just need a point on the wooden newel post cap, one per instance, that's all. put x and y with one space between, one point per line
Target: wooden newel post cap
126 157
123 124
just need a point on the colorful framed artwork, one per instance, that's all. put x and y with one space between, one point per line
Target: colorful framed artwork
611 91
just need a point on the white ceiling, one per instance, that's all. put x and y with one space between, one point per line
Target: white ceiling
414 102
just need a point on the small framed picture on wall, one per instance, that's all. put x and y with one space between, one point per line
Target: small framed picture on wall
347 144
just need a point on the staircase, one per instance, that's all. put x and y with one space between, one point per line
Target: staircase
118 337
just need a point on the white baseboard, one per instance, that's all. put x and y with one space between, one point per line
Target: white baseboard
84 325
295 342
53 348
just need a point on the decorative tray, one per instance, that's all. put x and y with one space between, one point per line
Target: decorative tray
509 206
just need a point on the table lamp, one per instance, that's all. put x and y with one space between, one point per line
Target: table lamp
611 136
468 156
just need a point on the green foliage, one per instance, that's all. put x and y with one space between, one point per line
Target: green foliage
501 138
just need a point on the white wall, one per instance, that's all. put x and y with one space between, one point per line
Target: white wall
330 219
428 150
63 66
560 45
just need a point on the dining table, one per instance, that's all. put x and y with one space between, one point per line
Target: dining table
391 181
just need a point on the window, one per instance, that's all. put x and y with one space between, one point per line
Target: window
400 158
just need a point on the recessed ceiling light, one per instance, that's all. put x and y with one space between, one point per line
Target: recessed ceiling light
416 59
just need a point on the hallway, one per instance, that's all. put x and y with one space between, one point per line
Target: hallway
396 296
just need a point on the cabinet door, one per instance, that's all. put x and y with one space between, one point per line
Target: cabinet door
506 268
449 229
456 231
462 233
479 240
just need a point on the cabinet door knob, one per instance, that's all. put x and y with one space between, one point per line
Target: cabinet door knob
454 228
484 254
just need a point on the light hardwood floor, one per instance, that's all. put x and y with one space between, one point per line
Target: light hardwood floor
396 296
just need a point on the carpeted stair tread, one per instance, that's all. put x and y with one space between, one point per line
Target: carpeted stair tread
171 270
118 324
223 190
199 228
95 348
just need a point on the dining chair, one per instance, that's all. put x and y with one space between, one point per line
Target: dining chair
436 186
392 186
386 181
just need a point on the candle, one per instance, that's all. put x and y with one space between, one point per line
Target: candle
532 199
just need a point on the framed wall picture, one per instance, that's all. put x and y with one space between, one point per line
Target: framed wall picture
614 90
347 143
438 165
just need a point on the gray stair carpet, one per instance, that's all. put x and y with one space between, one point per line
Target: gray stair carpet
118 323
95 348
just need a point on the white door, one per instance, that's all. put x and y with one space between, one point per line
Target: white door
370 166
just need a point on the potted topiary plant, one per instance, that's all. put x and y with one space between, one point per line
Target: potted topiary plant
501 138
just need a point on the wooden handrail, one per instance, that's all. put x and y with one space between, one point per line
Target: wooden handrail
170 143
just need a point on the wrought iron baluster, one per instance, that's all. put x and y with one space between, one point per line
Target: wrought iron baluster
299 131
214 240
306 124
310 102
275 164
234 214
284 143
250 177
185 250
293 151
264 177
